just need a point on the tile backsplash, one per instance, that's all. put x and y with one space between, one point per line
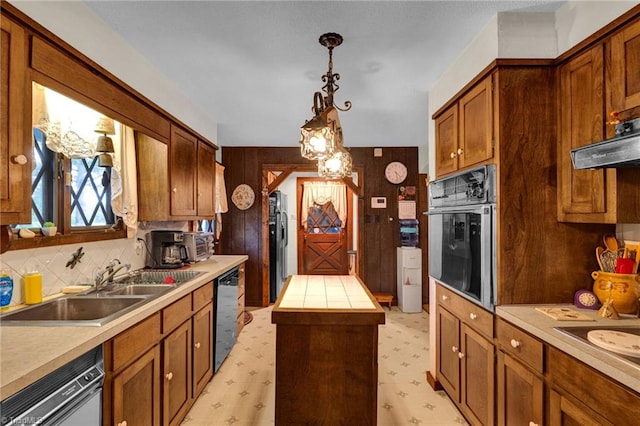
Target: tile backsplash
51 263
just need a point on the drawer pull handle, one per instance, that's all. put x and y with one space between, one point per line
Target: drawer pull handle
454 349
122 423
169 376
197 345
515 344
460 355
473 316
445 297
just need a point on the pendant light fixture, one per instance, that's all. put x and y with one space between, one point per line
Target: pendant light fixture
321 136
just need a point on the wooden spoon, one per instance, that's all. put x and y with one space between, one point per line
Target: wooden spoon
610 242
599 251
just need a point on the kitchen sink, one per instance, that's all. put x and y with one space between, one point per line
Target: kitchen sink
139 289
74 311
146 277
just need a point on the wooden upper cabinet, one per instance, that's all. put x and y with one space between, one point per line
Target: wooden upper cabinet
183 149
476 125
153 178
206 180
624 79
447 141
15 140
582 193
464 131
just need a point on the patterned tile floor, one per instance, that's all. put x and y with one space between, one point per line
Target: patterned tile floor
242 393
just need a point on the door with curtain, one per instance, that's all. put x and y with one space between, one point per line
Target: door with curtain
325 227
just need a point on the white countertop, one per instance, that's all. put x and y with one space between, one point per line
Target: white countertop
542 326
325 292
29 353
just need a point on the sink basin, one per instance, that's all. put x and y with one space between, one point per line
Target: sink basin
140 290
157 276
73 311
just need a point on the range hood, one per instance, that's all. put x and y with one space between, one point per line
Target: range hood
620 151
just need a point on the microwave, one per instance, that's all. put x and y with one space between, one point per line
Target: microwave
200 245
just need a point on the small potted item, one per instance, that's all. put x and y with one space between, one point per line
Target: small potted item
49 229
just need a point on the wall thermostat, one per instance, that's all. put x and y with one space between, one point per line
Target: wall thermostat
378 202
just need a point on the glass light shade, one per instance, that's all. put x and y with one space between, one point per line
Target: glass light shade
106 126
339 165
316 139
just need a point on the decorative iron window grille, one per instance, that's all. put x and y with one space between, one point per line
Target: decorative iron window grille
323 219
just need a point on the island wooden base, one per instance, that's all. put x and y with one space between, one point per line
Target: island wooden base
326 374
326 352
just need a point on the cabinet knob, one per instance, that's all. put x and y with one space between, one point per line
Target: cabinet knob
533 424
19 159
197 345
122 423
460 151
454 349
460 355
452 155
473 316
169 375
445 297
174 190
515 344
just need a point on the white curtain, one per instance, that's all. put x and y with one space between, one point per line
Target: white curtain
221 198
321 193
124 185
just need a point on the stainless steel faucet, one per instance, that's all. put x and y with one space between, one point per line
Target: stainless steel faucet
106 276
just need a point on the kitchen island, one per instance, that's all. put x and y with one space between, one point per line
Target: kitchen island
326 351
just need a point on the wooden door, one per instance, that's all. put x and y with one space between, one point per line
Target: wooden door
15 140
447 141
136 392
206 180
565 411
477 379
624 80
447 360
476 125
153 178
183 149
177 374
583 195
202 348
520 393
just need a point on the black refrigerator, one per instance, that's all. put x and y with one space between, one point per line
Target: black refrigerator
278 240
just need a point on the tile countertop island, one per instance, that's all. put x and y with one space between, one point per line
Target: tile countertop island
30 353
326 351
542 326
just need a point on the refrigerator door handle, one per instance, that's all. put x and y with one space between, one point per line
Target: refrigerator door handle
285 227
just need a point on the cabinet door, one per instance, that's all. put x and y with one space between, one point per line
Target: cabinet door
15 139
136 392
202 348
447 359
206 180
183 149
153 178
624 81
519 393
177 374
476 125
583 193
447 141
565 411
477 379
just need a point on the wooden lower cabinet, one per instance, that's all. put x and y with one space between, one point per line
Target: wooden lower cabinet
519 393
176 371
566 411
202 348
465 356
136 392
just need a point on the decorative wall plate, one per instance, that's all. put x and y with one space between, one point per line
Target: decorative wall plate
243 196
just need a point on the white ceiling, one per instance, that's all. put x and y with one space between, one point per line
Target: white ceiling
253 66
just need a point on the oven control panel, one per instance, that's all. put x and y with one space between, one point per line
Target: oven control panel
475 186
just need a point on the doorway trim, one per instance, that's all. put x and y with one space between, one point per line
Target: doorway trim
272 176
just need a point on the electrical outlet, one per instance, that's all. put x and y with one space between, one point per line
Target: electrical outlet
138 247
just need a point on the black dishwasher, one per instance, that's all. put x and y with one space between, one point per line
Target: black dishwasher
225 315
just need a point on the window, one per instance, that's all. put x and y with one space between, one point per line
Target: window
69 186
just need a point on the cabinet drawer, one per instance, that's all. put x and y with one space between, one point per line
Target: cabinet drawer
520 345
477 318
175 314
129 344
202 296
450 300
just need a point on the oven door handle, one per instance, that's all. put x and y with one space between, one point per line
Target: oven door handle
477 209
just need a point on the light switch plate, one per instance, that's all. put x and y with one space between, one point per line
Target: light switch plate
378 202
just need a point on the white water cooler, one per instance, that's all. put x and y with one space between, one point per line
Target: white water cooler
410 279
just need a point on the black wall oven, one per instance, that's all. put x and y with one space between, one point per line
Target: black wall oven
462 234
